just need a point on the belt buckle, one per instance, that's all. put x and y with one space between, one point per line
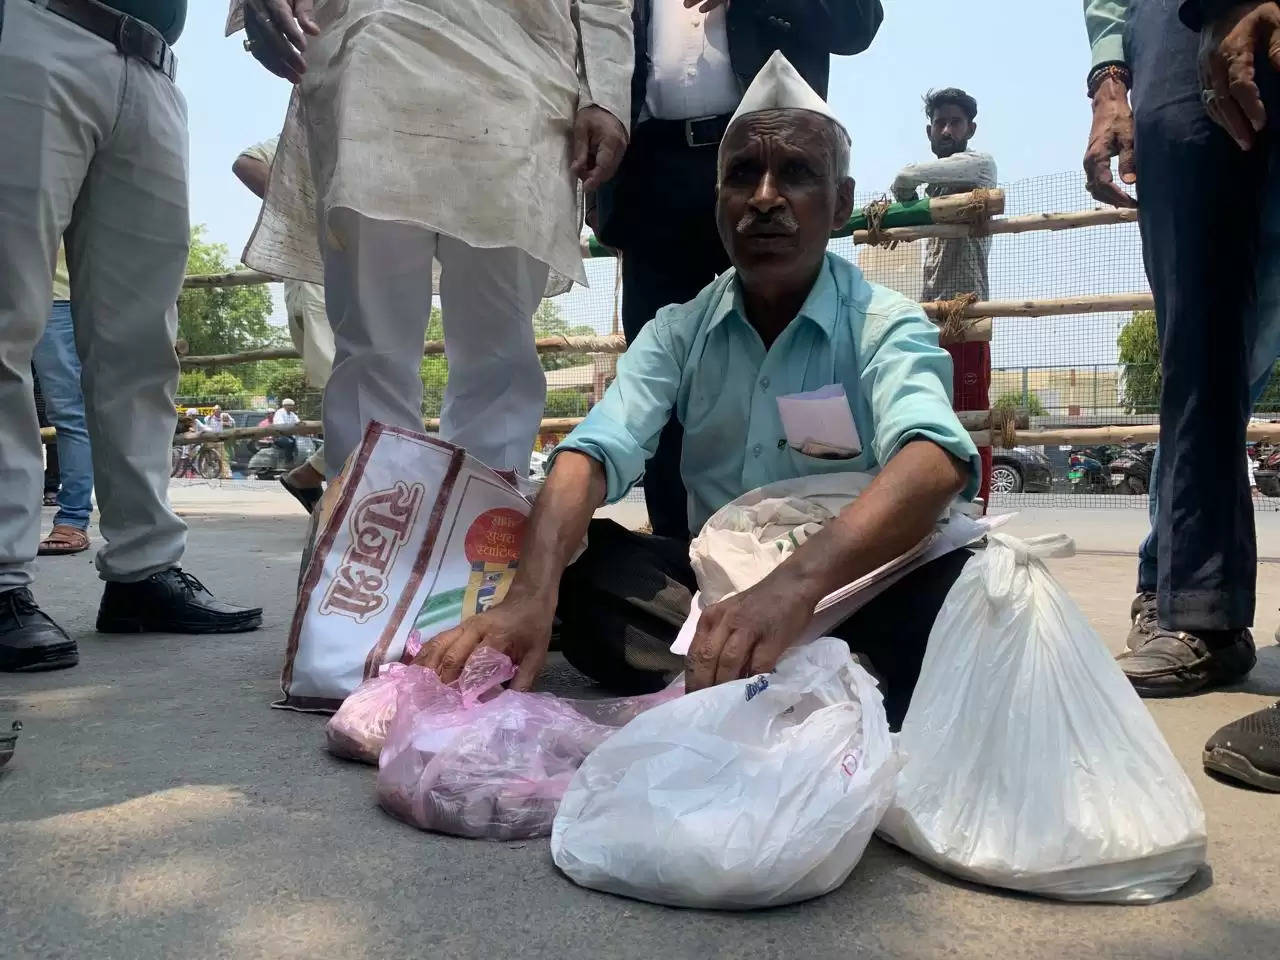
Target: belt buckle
688 132
132 36
129 34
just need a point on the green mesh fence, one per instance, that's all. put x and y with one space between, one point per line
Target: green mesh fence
1064 371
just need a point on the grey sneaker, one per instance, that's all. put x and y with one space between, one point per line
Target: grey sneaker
1142 613
1173 663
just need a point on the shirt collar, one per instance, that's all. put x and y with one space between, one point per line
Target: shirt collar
821 306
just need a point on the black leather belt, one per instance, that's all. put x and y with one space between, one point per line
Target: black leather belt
132 37
698 132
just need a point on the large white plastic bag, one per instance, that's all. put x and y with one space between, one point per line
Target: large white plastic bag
1028 760
750 794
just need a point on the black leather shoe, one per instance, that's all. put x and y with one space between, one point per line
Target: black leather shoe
172 601
29 639
1248 750
1142 613
1172 663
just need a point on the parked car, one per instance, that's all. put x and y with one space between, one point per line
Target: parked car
242 451
1020 470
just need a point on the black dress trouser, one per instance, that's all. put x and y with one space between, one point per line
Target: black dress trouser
623 602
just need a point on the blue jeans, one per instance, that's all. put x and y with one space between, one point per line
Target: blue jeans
58 365
1207 246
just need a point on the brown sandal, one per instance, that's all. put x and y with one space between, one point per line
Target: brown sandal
63 540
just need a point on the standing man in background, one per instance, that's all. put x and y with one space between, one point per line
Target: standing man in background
693 60
1201 144
216 422
94 135
956 267
308 326
57 365
455 131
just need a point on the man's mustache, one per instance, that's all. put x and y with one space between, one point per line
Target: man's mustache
774 225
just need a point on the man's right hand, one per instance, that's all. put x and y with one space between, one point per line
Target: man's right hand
277 34
1111 135
520 628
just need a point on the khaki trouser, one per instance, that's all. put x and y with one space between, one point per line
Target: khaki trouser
313 337
93 148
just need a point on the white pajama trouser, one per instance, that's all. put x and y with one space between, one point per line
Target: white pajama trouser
378 292
93 148
313 337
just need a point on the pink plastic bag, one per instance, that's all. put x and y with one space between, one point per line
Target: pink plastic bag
468 760
359 728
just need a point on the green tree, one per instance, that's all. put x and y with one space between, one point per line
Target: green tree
225 319
548 321
1019 401
565 403
192 384
292 383
227 389
1140 363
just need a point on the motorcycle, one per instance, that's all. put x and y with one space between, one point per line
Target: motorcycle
1085 473
1267 475
278 455
1130 471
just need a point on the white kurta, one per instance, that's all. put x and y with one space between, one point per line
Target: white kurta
453 115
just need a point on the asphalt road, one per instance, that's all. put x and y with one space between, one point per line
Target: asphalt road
158 808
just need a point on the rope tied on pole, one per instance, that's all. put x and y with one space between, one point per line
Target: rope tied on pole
1004 424
951 317
975 211
874 212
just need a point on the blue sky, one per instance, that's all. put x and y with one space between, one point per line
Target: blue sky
1025 62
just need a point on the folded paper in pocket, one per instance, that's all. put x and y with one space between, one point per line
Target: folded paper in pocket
819 423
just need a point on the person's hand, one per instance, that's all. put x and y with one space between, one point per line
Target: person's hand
749 632
519 628
276 32
599 141
1228 51
1110 136
705 6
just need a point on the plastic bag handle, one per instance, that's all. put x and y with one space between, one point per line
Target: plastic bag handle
1045 545
1006 553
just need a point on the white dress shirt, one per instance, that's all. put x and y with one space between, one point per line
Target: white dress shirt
690 74
284 418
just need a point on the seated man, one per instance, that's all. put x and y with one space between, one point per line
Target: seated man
788 318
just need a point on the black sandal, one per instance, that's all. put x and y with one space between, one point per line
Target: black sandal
307 496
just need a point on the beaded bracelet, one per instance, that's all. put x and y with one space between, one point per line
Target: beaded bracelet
1107 71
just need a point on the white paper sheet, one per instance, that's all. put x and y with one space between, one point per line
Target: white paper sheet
821 419
840 604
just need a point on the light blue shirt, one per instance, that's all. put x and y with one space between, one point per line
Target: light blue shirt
705 361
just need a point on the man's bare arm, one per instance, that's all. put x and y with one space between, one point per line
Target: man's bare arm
520 626
750 631
253 173
897 511
561 514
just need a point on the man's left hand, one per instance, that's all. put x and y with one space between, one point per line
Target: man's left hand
1228 51
749 632
599 141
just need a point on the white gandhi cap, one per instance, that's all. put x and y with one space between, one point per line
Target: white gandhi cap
779 86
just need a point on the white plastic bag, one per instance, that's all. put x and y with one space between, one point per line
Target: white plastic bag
750 794
1028 760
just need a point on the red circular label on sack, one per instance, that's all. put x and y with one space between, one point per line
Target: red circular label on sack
494 536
